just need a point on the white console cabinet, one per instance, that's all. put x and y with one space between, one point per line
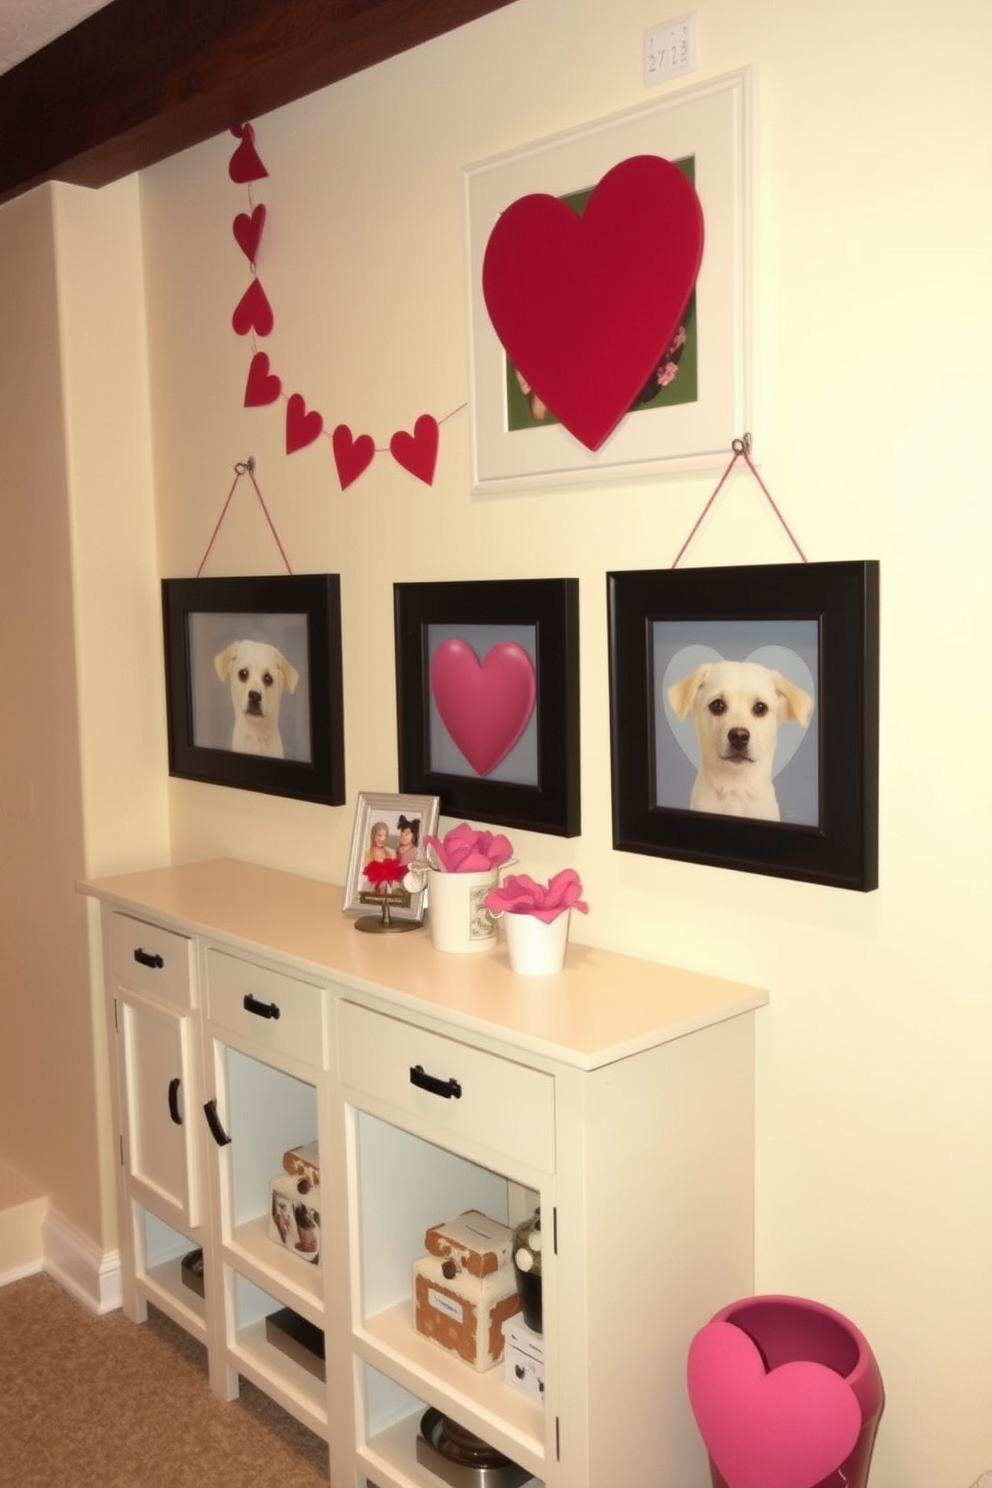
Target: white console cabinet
247 1015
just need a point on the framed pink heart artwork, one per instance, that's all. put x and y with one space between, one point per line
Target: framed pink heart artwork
487 683
608 295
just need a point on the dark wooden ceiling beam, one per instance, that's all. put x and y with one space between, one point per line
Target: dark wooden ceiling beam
143 79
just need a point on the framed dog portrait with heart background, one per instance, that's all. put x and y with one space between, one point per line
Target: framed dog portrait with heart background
608 294
254 683
744 718
487 692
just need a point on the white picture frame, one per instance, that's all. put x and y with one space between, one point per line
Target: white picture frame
710 122
372 808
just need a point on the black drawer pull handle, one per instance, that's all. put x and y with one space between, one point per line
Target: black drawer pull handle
445 1088
174 1101
261 1009
148 958
213 1121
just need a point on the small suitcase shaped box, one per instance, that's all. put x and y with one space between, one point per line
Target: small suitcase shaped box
464 1288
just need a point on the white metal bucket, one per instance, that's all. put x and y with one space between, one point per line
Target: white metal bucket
456 916
536 948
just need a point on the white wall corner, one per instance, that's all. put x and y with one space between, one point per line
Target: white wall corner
79 1266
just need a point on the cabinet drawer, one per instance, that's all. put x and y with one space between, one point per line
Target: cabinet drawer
479 1096
151 960
273 1010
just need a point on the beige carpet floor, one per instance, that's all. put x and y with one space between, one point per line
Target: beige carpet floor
100 1402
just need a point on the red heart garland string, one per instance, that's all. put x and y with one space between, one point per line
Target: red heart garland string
417 452
302 427
253 311
414 452
263 386
248 232
245 165
351 456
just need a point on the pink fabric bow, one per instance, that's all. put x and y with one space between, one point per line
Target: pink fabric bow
464 850
521 895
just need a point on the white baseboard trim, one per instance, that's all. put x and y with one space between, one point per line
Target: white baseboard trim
17 1273
80 1266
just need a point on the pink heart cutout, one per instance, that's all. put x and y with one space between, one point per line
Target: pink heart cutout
485 706
789 1427
417 452
253 311
586 305
302 428
245 165
248 232
262 386
351 456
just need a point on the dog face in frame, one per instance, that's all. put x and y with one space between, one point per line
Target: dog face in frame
258 674
737 708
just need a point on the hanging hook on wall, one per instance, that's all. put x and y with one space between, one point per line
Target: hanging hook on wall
242 468
741 447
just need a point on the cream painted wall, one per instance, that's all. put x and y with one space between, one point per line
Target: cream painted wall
873 306
82 757
121 706
45 1050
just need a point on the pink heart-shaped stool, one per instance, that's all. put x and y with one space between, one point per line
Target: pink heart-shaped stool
788 1427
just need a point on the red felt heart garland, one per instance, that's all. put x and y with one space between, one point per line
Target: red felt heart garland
248 232
585 306
351 456
244 165
253 311
415 452
302 426
262 386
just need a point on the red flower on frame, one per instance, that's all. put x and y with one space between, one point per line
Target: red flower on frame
389 871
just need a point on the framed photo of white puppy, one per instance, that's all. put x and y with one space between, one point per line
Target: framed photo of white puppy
254 683
391 827
744 718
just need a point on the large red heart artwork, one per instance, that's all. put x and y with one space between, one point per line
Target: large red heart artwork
485 706
584 306
789 1427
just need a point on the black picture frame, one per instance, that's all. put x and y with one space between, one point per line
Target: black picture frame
300 615
829 833
536 785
